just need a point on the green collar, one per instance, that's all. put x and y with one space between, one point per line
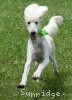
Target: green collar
42 32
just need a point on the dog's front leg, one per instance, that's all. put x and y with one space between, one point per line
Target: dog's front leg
26 68
25 74
40 68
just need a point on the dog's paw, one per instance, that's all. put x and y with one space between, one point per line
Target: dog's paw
20 86
36 76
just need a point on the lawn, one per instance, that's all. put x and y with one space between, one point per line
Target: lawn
13 44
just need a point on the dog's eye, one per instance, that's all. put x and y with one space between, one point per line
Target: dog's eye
28 22
36 22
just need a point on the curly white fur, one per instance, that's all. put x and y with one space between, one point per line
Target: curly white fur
41 49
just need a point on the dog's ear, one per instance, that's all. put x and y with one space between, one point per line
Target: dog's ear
41 11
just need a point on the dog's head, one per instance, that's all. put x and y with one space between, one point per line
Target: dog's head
33 15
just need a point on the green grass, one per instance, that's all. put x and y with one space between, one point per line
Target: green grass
13 43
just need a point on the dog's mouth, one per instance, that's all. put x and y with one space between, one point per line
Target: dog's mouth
33 37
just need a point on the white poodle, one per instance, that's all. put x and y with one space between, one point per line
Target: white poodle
40 44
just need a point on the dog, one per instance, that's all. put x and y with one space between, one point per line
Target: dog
41 47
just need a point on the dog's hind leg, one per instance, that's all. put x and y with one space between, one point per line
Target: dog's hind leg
53 59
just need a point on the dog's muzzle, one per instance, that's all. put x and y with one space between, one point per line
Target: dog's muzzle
33 35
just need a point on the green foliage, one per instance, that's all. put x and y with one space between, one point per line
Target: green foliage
13 44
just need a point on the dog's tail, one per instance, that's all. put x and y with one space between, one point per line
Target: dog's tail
56 19
52 27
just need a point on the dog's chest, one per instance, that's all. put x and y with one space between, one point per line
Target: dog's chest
38 52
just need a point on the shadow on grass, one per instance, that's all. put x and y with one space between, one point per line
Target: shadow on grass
54 84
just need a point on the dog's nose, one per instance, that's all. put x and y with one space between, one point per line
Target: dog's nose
33 33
